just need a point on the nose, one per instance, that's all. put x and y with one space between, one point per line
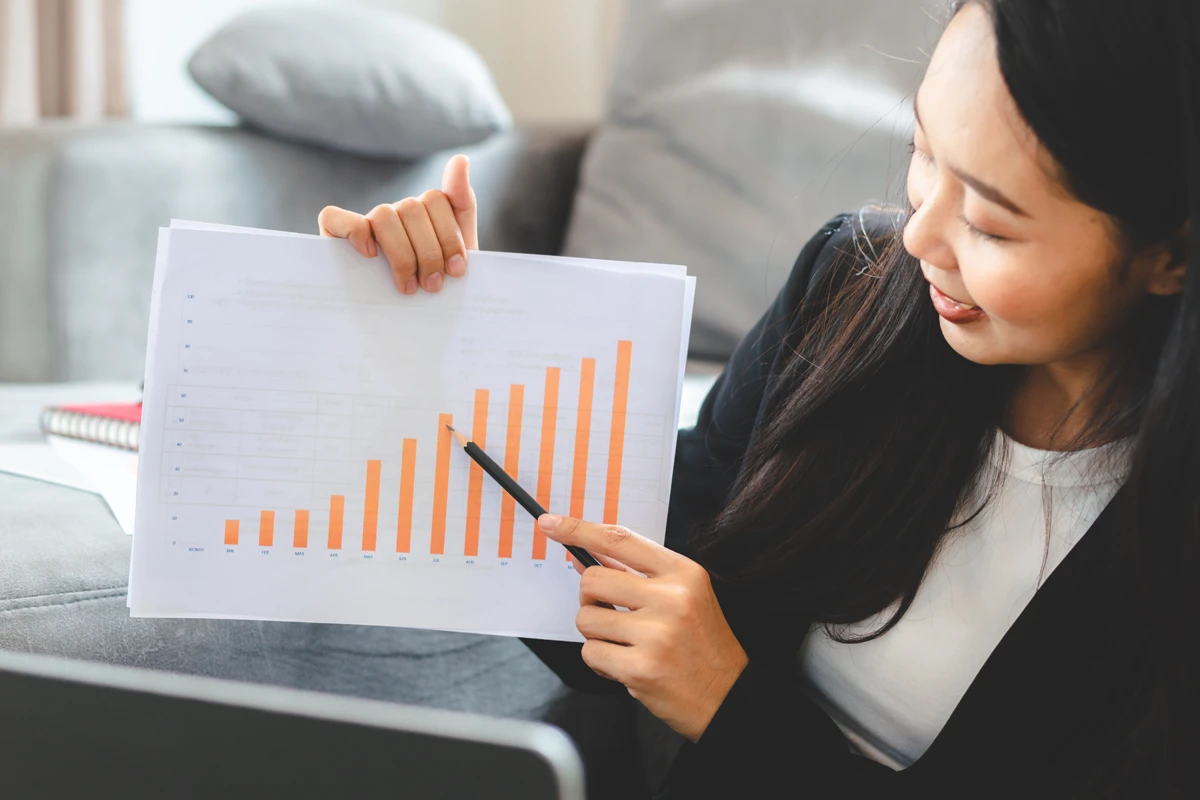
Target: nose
925 235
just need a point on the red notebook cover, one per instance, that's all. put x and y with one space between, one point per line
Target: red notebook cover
129 412
116 424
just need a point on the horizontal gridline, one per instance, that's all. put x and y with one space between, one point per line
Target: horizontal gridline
318 510
200 451
433 409
213 482
522 427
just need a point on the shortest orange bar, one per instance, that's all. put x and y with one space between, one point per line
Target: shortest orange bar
231 531
266 528
300 533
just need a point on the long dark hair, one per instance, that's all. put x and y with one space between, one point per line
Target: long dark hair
877 429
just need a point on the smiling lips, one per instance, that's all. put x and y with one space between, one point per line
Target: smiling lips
951 310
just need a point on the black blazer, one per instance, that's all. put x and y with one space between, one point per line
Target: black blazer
1063 685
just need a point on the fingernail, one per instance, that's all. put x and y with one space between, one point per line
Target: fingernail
456 266
433 282
372 250
548 522
410 287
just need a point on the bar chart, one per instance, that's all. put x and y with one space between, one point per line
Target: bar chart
296 462
437 435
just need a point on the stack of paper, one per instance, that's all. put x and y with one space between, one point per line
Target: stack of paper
295 463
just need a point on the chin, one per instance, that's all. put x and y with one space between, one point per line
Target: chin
972 342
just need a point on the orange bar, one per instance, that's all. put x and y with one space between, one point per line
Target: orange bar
512 458
616 439
408 462
475 482
583 430
300 532
266 528
441 484
231 531
546 457
371 507
337 506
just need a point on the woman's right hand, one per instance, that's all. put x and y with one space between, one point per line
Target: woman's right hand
423 238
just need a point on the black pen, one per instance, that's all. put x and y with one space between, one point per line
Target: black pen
513 488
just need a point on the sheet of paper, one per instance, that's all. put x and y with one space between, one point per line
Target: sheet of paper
295 464
111 471
39 461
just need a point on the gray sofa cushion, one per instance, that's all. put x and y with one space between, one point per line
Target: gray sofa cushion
80 206
735 129
363 80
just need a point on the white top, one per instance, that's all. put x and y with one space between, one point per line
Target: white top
892 695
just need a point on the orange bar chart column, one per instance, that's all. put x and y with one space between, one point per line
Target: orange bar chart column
616 439
337 508
300 530
231 531
583 430
441 485
475 481
266 528
371 508
512 459
408 465
546 456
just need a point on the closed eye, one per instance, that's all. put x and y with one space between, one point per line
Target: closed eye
921 154
978 233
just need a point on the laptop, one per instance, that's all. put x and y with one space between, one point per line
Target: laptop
78 729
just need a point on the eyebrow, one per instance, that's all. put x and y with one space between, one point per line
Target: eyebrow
984 190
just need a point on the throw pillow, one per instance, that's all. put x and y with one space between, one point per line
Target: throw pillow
735 129
363 80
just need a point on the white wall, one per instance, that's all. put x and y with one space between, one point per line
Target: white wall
551 58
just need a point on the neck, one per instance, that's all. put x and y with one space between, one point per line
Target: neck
1054 403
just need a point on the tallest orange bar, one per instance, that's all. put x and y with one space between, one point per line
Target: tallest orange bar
546 456
475 479
616 438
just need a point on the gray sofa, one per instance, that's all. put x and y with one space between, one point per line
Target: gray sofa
80 208
735 128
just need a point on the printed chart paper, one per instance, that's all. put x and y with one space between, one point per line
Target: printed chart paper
295 463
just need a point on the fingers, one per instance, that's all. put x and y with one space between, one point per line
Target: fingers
393 241
620 543
606 561
445 229
456 185
607 659
603 585
431 266
424 239
342 224
608 624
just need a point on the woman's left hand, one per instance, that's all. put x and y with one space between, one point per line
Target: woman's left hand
673 649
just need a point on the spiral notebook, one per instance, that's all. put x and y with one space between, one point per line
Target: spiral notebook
114 424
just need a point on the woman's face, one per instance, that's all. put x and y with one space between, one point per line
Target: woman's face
1020 272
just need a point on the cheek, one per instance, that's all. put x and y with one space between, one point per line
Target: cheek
1040 309
1008 295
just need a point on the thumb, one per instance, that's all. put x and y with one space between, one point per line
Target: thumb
456 185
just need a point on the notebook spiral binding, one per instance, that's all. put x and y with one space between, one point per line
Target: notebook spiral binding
91 427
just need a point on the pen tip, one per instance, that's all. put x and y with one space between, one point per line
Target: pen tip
449 427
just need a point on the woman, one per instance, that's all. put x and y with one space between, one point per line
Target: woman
935 533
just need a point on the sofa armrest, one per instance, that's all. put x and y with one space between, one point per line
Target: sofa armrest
80 206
